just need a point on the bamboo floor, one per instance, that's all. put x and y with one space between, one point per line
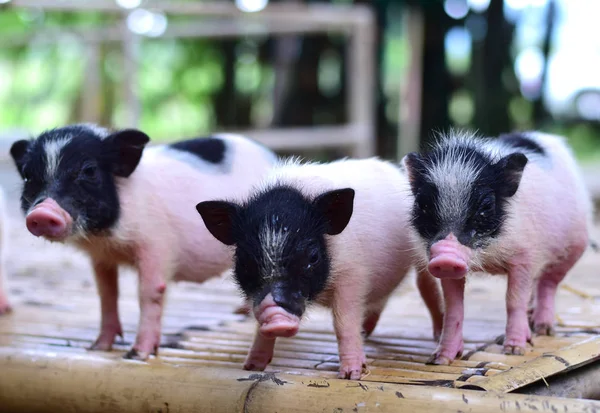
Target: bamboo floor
45 367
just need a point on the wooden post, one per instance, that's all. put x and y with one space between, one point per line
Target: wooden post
409 116
91 93
131 50
361 86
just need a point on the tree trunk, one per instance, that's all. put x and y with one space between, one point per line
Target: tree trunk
436 79
496 60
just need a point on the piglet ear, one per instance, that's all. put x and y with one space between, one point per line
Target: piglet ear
128 145
336 206
411 163
218 217
18 150
511 170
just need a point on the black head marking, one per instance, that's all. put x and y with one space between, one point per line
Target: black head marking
76 165
521 141
279 238
209 149
460 188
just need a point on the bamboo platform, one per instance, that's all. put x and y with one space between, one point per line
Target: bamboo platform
45 367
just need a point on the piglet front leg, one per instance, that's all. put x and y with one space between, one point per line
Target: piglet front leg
151 289
348 308
261 352
108 289
518 293
451 343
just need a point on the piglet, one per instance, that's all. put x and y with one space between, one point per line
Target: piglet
334 234
4 304
515 205
104 193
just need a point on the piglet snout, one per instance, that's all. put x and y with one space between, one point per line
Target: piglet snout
48 219
275 321
449 259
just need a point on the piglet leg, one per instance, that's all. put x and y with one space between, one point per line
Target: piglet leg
261 352
151 291
543 314
518 294
4 304
432 296
348 308
372 317
451 342
108 289
243 309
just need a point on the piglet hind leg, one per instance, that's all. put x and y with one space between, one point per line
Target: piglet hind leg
542 319
451 343
430 292
372 317
518 293
261 352
5 307
348 311
151 289
108 289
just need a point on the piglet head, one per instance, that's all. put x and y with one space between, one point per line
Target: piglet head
460 204
282 258
69 173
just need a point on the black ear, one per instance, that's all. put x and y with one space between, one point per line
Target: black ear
218 217
336 206
511 169
411 164
128 146
18 150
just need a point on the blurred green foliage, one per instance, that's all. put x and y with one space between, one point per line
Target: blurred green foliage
43 85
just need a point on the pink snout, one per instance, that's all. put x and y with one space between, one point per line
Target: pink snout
449 258
49 220
274 321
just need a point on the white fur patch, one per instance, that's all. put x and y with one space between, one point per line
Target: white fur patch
455 176
95 129
53 149
272 241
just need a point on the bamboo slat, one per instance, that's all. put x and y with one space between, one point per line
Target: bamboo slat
94 383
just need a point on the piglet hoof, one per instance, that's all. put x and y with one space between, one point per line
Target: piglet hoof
135 354
444 357
351 372
514 350
438 360
256 362
544 329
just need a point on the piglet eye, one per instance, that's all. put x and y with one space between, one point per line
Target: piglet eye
314 256
89 171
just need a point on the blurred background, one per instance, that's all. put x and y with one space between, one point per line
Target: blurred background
323 78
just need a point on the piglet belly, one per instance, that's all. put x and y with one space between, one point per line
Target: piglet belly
201 261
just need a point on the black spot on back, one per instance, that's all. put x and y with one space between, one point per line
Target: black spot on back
522 142
210 149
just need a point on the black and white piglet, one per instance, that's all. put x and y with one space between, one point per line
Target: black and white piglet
122 204
515 205
335 234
